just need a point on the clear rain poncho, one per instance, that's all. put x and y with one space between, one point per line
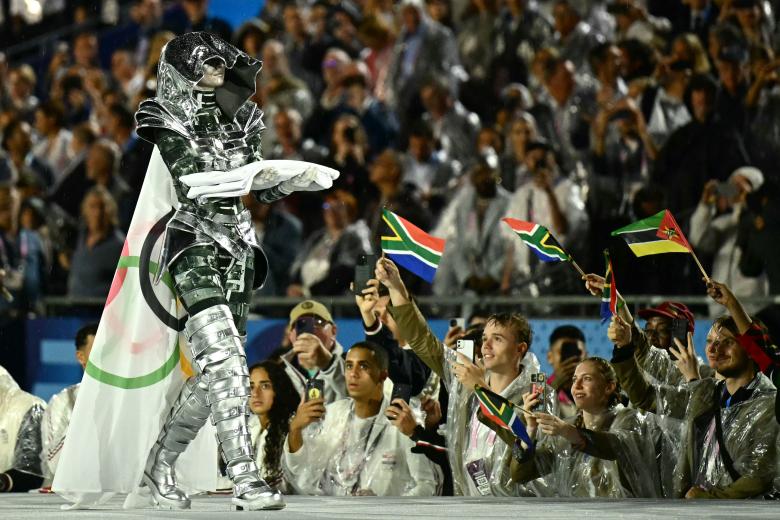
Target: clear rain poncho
613 463
474 448
749 432
356 456
20 427
657 364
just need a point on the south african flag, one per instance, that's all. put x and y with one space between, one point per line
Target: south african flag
611 300
501 411
411 247
539 239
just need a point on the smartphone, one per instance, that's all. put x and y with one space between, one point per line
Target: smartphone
401 391
315 389
305 324
465 347
679 330
539 385
458 322
570 349
364 271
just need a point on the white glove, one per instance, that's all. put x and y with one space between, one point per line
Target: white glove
211 178
290 176
294 176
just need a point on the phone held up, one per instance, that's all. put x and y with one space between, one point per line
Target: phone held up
465 347
679 330
315 389
401 391
539 386
364 271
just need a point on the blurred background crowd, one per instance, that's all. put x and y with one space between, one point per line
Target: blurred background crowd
580 115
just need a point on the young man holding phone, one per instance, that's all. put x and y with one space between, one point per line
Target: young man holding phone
315 351
477 457
358 452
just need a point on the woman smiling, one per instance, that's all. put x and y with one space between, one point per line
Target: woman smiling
602 452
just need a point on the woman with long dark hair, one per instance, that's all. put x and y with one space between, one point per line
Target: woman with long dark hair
273 402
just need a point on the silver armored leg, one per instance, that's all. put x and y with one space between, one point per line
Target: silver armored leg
218 352
187 417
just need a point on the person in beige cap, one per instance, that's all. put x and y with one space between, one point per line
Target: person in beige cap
315 351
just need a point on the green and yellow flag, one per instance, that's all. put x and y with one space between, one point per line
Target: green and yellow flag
654 235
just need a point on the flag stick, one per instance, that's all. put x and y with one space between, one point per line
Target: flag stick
706 276
577 267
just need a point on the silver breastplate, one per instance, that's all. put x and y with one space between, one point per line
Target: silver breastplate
219 145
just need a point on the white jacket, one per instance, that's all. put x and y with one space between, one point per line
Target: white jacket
717 235
54 426
378 458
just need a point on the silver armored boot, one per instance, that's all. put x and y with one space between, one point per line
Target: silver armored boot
218 353
187 417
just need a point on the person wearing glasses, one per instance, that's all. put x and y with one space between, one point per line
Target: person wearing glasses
315 352
728 449
662 359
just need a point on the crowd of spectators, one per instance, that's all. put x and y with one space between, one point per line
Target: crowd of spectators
579 115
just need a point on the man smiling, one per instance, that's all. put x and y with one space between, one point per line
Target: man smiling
477 457
729 449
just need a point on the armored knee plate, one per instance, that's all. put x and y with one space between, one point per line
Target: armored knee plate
218 353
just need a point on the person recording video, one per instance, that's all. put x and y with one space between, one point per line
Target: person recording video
357 450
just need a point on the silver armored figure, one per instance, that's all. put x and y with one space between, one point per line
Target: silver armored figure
208 133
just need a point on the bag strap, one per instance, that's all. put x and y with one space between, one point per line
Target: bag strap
724 453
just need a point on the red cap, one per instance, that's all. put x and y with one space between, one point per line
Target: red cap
672 310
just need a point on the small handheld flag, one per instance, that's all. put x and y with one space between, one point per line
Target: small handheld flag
657 235
541 242
611 300
411 247
654 235
501 411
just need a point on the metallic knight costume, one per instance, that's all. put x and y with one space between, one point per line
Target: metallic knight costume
211 253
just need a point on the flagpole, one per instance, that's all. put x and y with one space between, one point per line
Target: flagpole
577 267
696 258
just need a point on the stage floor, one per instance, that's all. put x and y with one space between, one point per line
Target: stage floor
42 507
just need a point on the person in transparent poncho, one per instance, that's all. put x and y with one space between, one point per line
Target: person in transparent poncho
20 436
728 444
601 452
358 451
506 367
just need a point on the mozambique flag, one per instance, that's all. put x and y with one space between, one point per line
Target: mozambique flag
539 239
411 247
501 411
611 300
654 235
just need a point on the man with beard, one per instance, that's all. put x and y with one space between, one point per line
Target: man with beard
728 451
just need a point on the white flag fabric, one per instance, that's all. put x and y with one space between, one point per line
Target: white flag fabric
138 364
